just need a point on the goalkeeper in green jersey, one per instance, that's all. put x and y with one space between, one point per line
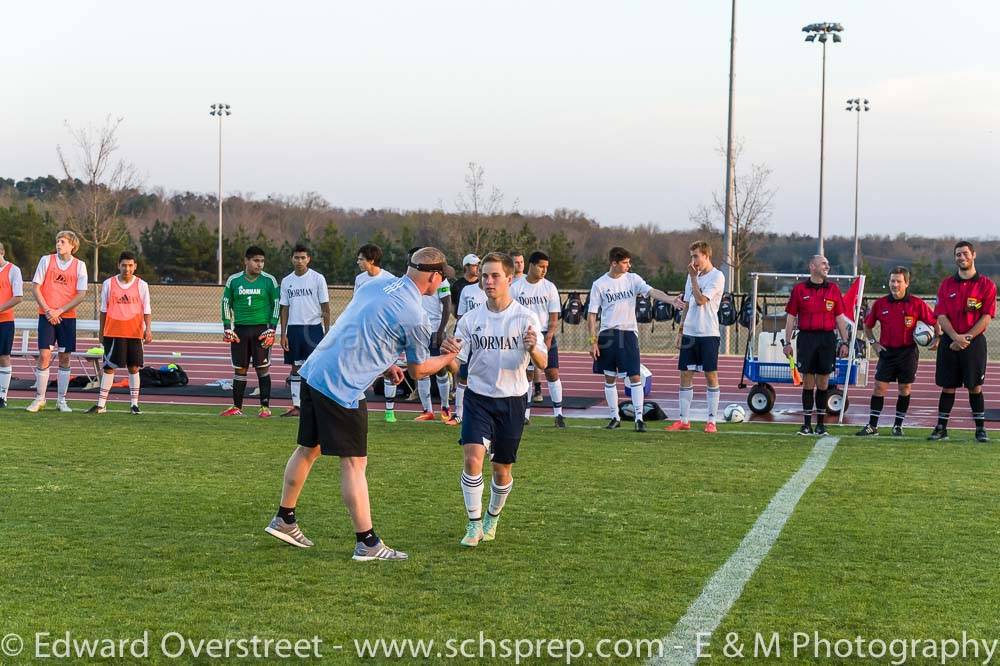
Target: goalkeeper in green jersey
249 315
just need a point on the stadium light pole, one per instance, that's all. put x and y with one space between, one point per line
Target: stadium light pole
858 105
822 32
727 235
220 110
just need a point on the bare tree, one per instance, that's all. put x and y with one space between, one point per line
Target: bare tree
478 207
753 208
92 210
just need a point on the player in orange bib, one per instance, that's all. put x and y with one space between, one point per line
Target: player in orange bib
60 285
11 292
126 323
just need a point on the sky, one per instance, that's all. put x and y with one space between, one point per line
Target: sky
614 109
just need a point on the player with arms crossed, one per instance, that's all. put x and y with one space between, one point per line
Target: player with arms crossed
250 305
616 347
126 323
11 293
305 317
966 304
61 281
897 315
497 340
381 322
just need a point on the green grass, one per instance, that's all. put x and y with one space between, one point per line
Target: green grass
116 524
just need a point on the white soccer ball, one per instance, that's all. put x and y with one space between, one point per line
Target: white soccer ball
923 334
734 413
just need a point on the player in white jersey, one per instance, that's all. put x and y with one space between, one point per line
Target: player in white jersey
438 308
305 317
498 340
11 293
370 263
518 265
472 297
541 297
698 338
614 346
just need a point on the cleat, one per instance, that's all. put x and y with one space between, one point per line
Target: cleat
292 411
821 430
3 403
490 526
710 427
390 416
981 436
868 431
232 411
63 407
288 532
473 533
939 434
96 409
445 414
613 423
424 416
264 413
135 411
897 431
453 421
805 431
536 396
640 426
677 426
379 551
560 421
36 405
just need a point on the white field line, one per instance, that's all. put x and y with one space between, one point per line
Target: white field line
705 614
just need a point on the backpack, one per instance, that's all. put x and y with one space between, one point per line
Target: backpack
166 375
650 412
748 313
643 309
573 309
663 311
727 310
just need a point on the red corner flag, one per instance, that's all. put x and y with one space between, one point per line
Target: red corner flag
851 299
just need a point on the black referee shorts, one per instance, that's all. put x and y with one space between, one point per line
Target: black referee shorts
816 352
336 430
967 368
897 364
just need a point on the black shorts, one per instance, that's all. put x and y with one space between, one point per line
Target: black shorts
698 353
897 364
619 353
6 337
249 350
816 352
336 430
122 353
961 368
302 341
496 423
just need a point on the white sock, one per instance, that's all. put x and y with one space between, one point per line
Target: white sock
390 394
713 402
41 383
133 388
106 382
459 400
424 391
637 398
611 395
686 395
527 401
443 387
296 388
498 496
4 381
472 492
555 395
62 383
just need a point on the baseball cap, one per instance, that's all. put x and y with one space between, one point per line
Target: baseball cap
470 260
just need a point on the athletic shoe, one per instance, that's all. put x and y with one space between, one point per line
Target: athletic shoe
453 421
939 434
134 410
425 416
390 416
63 407
473 533
897 431
232 411
292 411
288 532
264 413
981 436
710 427
806 430
536 396
490 526
96 409
379 551
868 431
35 406
640 426
560 421
821 430
677 426
445 414
3 403
613 423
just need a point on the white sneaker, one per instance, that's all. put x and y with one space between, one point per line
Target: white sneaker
63 407
36 405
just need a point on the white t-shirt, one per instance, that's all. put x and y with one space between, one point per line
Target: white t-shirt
43 266
432 304
702 321
472 297
364 278
615 298
16 281
143 292
542 298
493 346
304 295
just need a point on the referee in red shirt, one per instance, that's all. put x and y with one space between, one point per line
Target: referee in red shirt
816 306
897 315
966 304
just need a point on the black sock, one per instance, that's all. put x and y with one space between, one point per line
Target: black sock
239 388
807 406
538 387
821 397
902 404
369 537
286 514
945 403
878 402
264 381
978 403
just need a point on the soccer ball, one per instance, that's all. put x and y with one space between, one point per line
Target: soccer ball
734 413
923 334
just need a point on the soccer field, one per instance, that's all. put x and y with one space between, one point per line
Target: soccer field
117 525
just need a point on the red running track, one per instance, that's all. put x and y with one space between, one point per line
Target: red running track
578 380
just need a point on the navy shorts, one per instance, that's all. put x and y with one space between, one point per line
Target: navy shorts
6 337
61 337
463 371
619 353
698 353
496 423
302 341
553 357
